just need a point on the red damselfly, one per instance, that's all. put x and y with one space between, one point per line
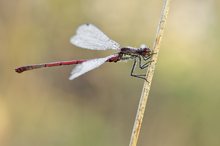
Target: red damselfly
89 36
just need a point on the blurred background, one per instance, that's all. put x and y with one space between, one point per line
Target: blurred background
42 107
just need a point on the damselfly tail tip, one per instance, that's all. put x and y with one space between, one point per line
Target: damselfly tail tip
19 70
22 69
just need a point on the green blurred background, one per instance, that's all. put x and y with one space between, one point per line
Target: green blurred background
43 108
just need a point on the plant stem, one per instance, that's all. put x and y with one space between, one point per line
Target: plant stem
149 75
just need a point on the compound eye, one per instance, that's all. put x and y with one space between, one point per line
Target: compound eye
143 46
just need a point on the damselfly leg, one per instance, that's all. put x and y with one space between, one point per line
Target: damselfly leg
145 65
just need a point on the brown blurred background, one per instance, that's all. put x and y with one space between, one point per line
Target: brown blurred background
43 108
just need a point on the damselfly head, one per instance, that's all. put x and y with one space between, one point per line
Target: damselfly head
144 51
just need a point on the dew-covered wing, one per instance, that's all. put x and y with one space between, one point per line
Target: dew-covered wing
89 36
87 66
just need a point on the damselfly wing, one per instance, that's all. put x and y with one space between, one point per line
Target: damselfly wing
87 66
90 37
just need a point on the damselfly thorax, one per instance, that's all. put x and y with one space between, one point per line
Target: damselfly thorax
131 53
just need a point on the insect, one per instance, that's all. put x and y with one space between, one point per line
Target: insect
89 36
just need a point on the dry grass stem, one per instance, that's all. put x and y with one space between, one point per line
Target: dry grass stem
149 75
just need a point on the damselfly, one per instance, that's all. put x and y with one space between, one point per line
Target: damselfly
89 36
